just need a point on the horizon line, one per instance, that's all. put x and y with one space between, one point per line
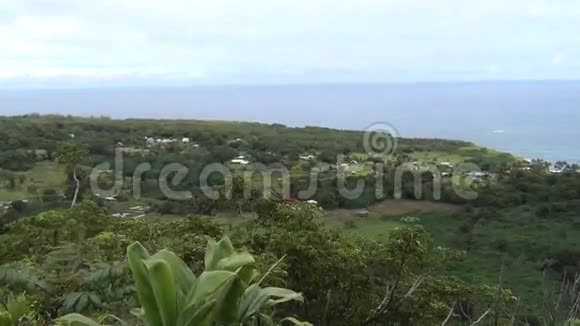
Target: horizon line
287 84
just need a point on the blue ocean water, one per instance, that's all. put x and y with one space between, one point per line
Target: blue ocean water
531 119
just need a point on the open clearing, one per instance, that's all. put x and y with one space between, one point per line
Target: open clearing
391 208
44 175
386 216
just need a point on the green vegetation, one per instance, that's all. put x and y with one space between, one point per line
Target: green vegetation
44 175
509 256
228 291
43 253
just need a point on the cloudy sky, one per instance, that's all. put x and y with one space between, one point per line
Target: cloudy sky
174 42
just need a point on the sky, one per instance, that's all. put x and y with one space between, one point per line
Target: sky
73 43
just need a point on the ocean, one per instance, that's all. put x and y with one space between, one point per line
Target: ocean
531 119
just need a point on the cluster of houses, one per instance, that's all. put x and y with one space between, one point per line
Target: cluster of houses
556 168
155 141
478 175
151 141
446 170
5 205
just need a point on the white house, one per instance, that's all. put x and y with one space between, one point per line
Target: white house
240 161
307 157
185 140
478 175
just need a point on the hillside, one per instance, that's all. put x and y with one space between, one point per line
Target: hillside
521 227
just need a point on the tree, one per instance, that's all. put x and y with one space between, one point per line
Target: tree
49 195
222 154
70 155
10 177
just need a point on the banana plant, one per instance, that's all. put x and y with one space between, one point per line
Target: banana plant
227 292
16 309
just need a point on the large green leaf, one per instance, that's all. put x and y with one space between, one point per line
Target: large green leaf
76 320
5 319
256 298
295 322
227 311
217 251
200 316
207 284
171 295
184 277
17 306
235 261
281 295
136 254
164 289
80 320
251 302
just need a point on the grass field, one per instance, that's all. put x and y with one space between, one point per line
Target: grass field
390 208
384 217
44 175
455 157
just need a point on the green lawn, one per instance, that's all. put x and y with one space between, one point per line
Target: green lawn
453 158
373 227
458 156
44 175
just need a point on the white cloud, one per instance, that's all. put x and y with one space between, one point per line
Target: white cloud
219 39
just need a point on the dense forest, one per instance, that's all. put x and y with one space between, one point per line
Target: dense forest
508 256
